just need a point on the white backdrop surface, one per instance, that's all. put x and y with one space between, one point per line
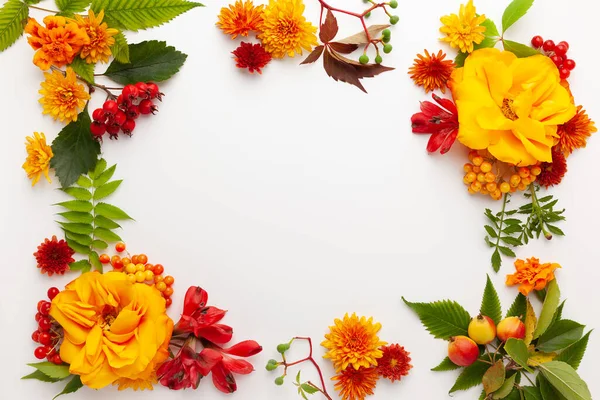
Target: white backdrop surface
293 199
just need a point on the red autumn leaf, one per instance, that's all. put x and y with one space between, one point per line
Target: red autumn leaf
344 48
364 70
329 28
361 37
314 56
340 70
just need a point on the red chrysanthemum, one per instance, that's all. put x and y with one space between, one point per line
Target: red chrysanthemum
395 362
553 172
251 56
54 256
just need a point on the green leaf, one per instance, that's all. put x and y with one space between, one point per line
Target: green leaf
84 182
491 231
78 193
71 387
548 309
40 376
490 305
81 265
83 69
511 241
496 260
148 61
72 6
558 314
106 189
547 391
507 251
518 307
13 18
95 261
517 350
103 222
107 235
77 247
98 169
75 150
565 380
470 377
532 393
104 176
52 370
509 230
110 211
120 50
445 365
554 229
520 50
99 244
75 216
573 354
490 28
506 388
443 319
83 240
494 377
298 377
309 388
76 205
132 15
81 229
515 10
560 335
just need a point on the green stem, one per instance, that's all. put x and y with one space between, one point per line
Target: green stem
504 202
529 379
537 209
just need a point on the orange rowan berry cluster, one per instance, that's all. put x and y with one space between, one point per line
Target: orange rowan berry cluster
139 270
480 178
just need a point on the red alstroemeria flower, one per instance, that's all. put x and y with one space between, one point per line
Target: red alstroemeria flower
222 372
187 368
442 123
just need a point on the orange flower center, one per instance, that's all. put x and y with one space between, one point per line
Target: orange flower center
393 363
507 109
108 316
287 28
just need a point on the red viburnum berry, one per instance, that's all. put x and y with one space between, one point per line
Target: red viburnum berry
154 91
569 64
537 41
557 60
133 112
35 336
110 107
128 127
113 131
566 44
52 292
98 128
548 45
40 352
99 115
561 50
45 338
147 107
130 92
119 118
564 73
142 89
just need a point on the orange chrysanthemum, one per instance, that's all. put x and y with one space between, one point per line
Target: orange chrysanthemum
57 43
356 384
395 362
574 134
241 18
353 341
432 71
531 275
62 97
101 37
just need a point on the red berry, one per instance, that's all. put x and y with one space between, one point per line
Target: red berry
565 44
40 303
561 50
143 90
569 64
537 41
38 316
99 115
50 352
56 359
35 336
128 127
40 352
564 73
130 92
45 309
113 131
549 45
98 128
133 112
154 91
124 103
120 247
557 60
110 107
44 324
52 292
147 107
45 338
119 118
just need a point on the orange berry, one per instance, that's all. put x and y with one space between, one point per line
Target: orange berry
532 178
161 286
126 260
130 268
168 291
481 177
496 194
149 267
140 267
139 277
149 275
526 181
476 169
168 302
116 262
131 278
120 247
473 154
470 177
522 186
104 258
468 167
158 278
535 170
142 258
158 269
471 191
505 187
490 177
491 186
513 189
477 161
169 280
484 191
476 186
524 172
486 167
134 259
515 180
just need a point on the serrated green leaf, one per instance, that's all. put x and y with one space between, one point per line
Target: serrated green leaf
107 189
518 307
517 350
490 28
81 265
78 193
104 176
83 240
120 50
13 18
77 247
520 50
84 182
75 216
99 244
309 388
110 211
107 235
573 354
558 314
52 370
95 261
40 376
103 222
560 335
514 12
470 377
148 61
443 319
565 380
71 387
445 365
133 15
548 309
532 393
491 231
490 305
72 6
76 205
75 150
494 377
507 251
98 169
506 388
496 260
83 69
81 229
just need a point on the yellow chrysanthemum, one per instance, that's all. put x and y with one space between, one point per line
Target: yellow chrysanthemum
240 18
38 159
353 341
464 29
62 97
285 31
145 381
101 37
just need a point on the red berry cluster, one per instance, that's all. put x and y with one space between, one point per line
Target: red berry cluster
120 115
48 334
557 53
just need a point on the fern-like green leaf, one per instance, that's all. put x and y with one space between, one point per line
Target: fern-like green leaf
110 211
78 193
72 6
13 17
80 239
443 319
100 244
79 217
76 205
133 15
77 247
103 222
104 176
106 190
81 265
120 50
81 229
107 235
490 305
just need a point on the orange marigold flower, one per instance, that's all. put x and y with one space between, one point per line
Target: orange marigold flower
531 275
395 362
54 256
356 384
432 71
240 18
574 134
57 43
101 37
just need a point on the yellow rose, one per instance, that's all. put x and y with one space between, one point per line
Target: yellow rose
510 106
113 329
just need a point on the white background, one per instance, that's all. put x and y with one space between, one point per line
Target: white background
294 199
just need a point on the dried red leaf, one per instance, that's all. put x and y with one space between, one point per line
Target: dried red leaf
329 28
314 56
343 48
340 70
364 70
361 37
